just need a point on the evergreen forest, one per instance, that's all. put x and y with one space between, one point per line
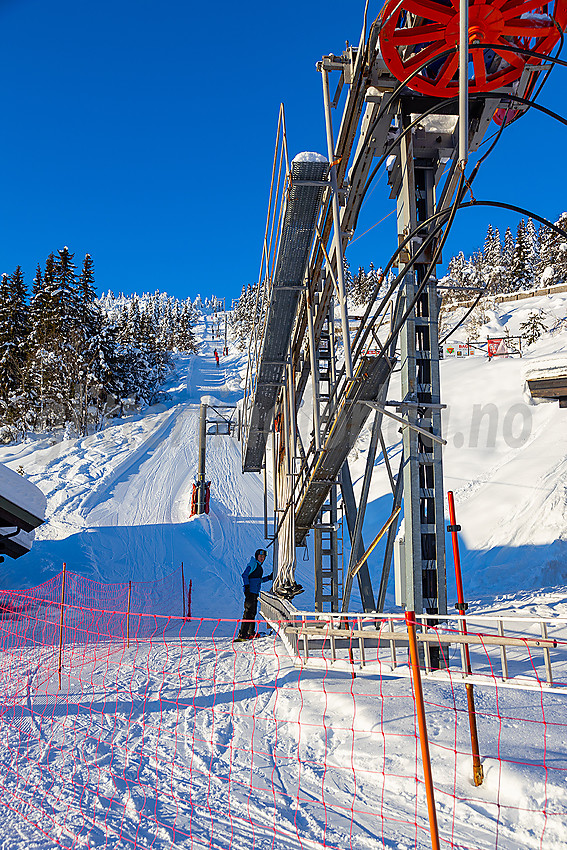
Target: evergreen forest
69 359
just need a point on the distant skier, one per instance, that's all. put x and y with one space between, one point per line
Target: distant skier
252 579
217 356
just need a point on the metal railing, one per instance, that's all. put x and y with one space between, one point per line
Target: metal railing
520 651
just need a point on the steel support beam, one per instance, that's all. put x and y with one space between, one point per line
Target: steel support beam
423 468
338 237
363 574
361 512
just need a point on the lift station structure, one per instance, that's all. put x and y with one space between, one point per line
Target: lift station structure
426 84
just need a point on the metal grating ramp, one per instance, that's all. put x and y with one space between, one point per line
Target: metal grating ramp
371 376
298 227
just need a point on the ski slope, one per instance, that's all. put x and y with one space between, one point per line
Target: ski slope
118 501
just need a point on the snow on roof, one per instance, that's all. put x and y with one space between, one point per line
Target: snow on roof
554 366
21 492
309 156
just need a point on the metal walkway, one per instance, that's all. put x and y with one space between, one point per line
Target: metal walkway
371 376
298 228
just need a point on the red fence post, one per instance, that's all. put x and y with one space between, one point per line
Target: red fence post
422 726
61 625
128 616
183 587
453 528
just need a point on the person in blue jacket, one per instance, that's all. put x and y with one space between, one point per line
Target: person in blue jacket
252 579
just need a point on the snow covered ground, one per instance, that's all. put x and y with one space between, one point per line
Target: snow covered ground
244 749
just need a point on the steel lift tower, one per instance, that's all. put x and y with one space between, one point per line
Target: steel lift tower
418 96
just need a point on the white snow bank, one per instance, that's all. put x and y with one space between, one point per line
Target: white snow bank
309 156
21 492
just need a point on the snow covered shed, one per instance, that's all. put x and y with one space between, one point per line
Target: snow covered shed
548 379
22 510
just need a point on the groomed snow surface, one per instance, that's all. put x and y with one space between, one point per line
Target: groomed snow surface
229 744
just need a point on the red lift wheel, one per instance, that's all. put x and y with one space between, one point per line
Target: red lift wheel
418 30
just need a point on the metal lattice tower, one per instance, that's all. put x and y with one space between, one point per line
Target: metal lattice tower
381 119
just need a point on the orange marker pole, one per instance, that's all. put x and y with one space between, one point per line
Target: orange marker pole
422 726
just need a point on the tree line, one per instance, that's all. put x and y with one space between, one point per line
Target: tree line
68 359
530 258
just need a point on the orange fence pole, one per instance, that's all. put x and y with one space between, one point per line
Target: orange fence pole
478 772
183 587
61 626
422 726
128 616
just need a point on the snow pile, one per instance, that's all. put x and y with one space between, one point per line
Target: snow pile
309 156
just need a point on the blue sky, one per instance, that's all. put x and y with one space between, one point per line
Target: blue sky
142 132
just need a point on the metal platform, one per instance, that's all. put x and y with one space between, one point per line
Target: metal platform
298 228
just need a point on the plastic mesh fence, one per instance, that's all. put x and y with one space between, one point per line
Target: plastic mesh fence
188 738
92 609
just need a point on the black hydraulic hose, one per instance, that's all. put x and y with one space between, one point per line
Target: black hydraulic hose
513 208
513 48
449 214
559 49
465 317
452 211
406 269
435 110
360 341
